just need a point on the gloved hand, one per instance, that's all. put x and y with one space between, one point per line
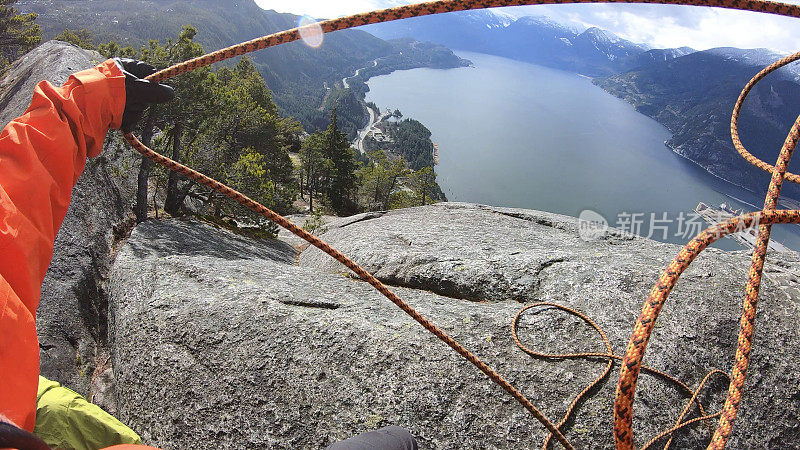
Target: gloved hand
139 92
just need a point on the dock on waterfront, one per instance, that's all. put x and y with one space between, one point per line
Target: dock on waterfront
746 237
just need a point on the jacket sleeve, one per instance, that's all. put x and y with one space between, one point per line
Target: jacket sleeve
42 154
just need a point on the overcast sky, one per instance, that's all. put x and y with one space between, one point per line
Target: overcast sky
657 25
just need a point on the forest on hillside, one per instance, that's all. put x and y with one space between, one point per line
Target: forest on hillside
296 74
225 123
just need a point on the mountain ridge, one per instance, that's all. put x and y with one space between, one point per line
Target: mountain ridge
536 39
296 73
693 96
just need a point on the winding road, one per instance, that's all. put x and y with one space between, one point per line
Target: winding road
344 80
362 134
373 121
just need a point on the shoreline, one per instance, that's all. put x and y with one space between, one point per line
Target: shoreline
717 176
362 133
675 150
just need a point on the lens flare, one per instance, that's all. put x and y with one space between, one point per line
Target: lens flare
310 31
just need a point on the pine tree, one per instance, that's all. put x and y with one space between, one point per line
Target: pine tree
81 38
18 33
245 117
340 181
379 180
423 182
312 166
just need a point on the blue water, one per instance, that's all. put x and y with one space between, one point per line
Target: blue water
520 135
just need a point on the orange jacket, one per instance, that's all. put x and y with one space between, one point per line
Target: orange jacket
42 154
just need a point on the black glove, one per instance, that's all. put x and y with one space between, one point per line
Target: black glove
139 92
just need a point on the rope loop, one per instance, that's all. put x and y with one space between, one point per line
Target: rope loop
611 357
737 109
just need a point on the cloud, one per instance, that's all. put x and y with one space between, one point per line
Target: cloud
663 26
659 26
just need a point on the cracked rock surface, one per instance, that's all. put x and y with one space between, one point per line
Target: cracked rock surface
220 341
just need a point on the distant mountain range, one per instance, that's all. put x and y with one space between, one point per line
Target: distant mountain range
296 73
693 96
691 93
539 40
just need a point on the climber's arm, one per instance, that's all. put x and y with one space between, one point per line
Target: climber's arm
42 154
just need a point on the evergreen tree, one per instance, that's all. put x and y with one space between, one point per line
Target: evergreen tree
245 117
18 33
340 182
379 180
112 49
184 117
81 38
224 124
423 182
312 167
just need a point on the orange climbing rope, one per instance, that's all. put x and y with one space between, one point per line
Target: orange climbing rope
631 362
610 356
631 365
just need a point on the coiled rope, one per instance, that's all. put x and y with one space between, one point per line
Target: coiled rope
632 361
610 356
